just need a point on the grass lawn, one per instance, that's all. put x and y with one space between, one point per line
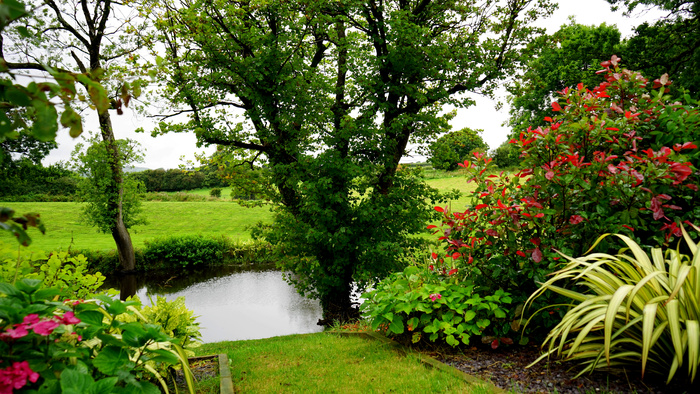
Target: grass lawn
65 228
330 363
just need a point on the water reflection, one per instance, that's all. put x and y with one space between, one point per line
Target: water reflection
239 304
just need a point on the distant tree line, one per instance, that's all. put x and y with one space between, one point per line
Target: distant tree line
26 179
174 180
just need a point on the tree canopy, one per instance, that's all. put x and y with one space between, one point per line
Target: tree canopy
455 147
331 93
570 56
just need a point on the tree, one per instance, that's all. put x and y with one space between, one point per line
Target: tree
332 93
92 162
649 50
23 147
80 35
455 147
506 155
568 57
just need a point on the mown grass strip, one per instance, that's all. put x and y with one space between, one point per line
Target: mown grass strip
331 363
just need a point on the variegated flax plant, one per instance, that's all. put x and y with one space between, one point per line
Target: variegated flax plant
636 310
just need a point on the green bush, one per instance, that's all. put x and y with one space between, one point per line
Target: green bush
178 197
637 310
506 156
68 273
215 192
174 318
231 252
455 147
187 251
40 197
595 169
108 260
425 303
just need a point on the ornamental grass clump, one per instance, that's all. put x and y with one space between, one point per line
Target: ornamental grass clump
632 310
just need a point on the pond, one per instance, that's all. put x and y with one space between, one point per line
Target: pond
237 304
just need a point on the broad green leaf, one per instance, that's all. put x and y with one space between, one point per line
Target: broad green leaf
28 285
396 325
469 315
8 289
110 359
46 122
105 385
74 382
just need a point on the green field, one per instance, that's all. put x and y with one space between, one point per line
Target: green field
65 227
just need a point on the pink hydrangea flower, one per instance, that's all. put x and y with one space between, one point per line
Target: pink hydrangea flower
69 318
19 331
45 327
15 377
31 319
435 296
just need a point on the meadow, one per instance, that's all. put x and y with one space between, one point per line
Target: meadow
65 227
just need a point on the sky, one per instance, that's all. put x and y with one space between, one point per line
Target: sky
173 150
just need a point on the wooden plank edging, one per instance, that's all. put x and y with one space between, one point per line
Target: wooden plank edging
225 375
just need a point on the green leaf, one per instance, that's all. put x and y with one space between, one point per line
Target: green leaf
396 325
91 317
72 120
140 387
105 385
18 95
469 315
134 335
46 123
28 286
8 289
111 359
15 9
6 214
74 382
165 356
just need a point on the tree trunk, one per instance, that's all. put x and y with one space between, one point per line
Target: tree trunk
336 300
122 239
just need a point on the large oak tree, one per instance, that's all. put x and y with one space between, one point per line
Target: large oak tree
331 94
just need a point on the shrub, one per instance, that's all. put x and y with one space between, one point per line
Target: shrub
506 156
591 171
107 260
455 147
59 270
184 251
423 303
179 197
637 310
174 319
215 192
79 346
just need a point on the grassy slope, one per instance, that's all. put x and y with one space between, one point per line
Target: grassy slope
64 226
